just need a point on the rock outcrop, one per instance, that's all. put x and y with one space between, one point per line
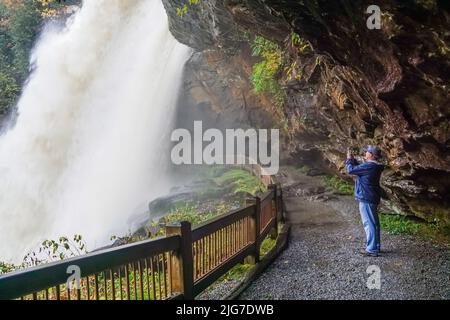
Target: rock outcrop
346 85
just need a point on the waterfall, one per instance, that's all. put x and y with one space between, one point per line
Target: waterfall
95 117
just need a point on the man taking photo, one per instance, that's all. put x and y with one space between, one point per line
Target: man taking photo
368 194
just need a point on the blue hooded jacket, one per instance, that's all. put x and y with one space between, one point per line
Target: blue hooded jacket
367 185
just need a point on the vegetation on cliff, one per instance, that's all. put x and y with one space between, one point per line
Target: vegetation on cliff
20 24
343 83
265 75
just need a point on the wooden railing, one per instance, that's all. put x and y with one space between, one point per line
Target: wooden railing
180 265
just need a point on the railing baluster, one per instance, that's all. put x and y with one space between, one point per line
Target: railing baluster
58 293
97 295
228 242
105 284
203 247
141 290
220 243
234 237
246 231
214 235
153 278
148 278
88 288
219 247
242 233
120 283
199 258
213 250
224 246
133 264
210 253
113 285
158 270
207 264
79 291
168 272
219 240
127 283
231 240
230 237
68 292
163 270
197 255
238 234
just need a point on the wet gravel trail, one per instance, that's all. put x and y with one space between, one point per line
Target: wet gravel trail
322 259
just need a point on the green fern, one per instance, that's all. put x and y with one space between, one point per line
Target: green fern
265 73
242 181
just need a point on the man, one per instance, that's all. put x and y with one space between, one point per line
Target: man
367 193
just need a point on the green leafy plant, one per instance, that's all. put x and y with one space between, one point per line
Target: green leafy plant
403 225
181 11
49 251
242 181
7 267
191 213
300 43
9 91
54 250
267 245
304 169
20 23
396 225
239 271
338 185
265 73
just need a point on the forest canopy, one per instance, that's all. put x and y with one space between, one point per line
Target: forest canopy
20 23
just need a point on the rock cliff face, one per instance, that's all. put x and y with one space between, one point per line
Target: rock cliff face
345 85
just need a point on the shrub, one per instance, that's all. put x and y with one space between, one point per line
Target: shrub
338 185
265 73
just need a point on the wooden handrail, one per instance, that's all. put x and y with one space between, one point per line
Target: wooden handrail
215 224
182 264
20 283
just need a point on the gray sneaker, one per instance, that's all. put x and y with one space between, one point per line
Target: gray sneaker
364 253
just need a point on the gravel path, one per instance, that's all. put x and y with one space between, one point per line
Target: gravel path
322 260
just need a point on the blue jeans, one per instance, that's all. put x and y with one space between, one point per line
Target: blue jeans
371 223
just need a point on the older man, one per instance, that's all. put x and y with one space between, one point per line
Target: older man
367 193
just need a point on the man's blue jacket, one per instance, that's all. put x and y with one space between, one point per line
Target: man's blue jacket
367 186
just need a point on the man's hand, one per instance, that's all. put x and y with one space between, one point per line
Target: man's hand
349 153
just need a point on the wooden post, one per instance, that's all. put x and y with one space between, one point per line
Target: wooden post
274 232
255 229
182 263
280 208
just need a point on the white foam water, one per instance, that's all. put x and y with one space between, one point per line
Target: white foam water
95 117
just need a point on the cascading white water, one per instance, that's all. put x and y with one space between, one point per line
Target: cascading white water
86 150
